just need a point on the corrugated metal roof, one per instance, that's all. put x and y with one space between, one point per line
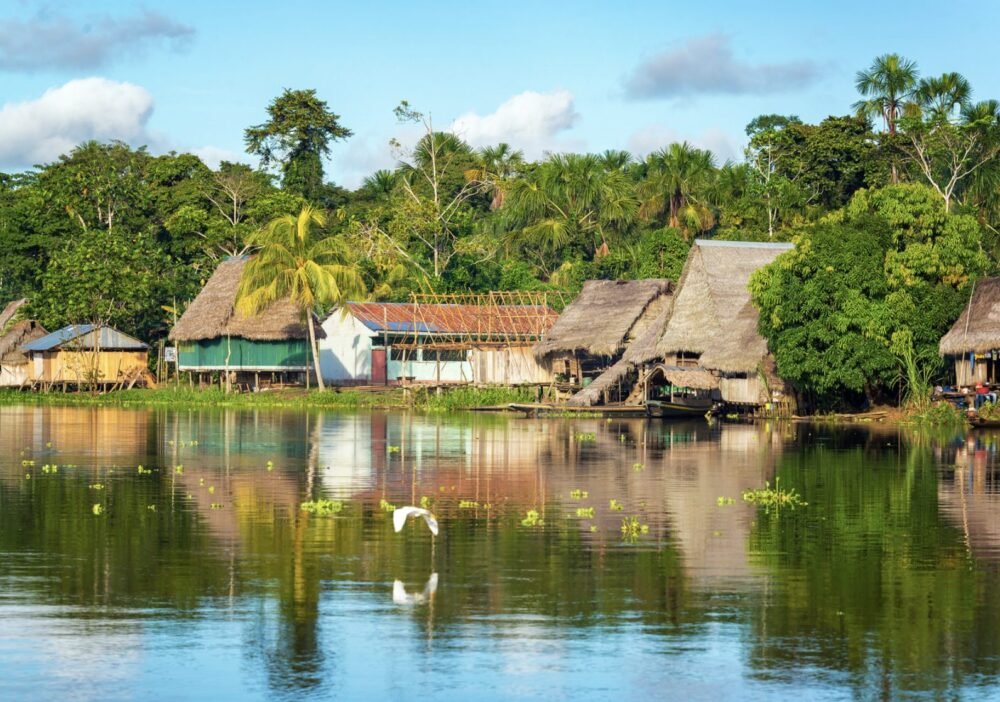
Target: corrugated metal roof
525 321
83 336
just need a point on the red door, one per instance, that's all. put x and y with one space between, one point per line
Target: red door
378 366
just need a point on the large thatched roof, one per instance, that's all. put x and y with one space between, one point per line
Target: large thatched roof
978 328
213 313
9 310
712 312
603 317
16 335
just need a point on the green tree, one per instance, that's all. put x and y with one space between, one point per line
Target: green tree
104 278
873 284
294 261
888 86
940 97
297 137
677 180
567 206
768 155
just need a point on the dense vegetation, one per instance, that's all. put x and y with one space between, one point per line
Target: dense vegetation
895 206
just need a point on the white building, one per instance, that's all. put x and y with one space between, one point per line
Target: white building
381 343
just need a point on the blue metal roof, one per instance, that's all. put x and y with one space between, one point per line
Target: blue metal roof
83 337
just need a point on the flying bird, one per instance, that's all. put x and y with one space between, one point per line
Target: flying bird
400 516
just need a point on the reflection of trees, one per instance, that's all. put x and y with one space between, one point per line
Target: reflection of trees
871 576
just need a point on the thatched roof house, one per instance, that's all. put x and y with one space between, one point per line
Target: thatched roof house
9 310
974 339
213 336
13 361
605 316
713 323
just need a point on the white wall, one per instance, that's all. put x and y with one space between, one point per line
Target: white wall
430 371
13 375
345 355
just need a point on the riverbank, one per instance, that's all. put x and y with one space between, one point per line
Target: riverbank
424 399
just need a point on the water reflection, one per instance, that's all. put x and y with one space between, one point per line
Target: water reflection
883 583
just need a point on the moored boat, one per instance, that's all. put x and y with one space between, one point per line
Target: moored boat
679 407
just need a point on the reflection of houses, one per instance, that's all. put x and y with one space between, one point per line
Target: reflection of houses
488 343
970 497
211 336
14 369
713 326
84 353
973 342
587 344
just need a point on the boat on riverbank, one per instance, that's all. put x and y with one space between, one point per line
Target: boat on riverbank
679 407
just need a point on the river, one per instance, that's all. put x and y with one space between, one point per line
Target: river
163 554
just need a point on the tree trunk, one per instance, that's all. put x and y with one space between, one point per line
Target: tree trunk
315 353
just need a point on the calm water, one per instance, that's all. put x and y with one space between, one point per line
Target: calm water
208 582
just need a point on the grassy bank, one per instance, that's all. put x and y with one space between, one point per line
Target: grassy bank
449 399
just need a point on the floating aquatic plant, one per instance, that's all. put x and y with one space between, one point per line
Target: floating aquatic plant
579 494
179 470
96 486
386 506
532 519
614 505
585 512
632 528
392 449
774 498
322 507
425 502
585 436
637 467
97 509
725 501
468 504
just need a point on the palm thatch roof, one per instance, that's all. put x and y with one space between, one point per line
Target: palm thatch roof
18 334
712 312
213 314
9 310
978 327
603 318
695 378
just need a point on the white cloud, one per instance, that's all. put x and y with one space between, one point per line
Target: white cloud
706 66
212 156
529 121
37 131
653 137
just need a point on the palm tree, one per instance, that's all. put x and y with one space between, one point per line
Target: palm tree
379 185
293 261
889 85
940 96
495 167
676 179
568 200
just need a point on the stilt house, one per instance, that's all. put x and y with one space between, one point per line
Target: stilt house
84 354
972 344
587 344
212 336
711 339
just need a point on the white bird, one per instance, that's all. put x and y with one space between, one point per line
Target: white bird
402 597
400 516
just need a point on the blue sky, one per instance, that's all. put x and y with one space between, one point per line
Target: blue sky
188 75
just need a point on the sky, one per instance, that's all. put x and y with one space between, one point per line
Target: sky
191 75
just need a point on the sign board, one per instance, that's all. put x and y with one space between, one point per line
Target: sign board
170 354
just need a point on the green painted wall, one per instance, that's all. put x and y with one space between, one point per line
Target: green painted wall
243 353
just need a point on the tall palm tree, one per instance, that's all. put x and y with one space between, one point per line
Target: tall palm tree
677 178
942 95
379 185
568 200
294 261
888 85
495 167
